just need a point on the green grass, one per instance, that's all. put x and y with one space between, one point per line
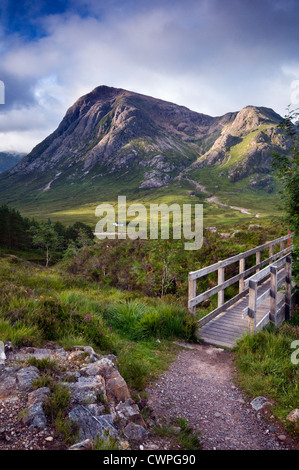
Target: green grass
38 305
181 433
265 368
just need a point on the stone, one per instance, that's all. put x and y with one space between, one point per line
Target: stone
129 412
87 389
117 389
35 417
135 432
258 403
281 437
103 367
26 376
39 395
49 439
7 385
293 415
90 426
87 444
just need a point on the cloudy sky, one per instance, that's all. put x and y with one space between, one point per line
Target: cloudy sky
212 56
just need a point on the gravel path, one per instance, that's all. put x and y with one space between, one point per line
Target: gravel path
200 386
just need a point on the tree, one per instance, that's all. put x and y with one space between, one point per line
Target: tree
287 167
45 236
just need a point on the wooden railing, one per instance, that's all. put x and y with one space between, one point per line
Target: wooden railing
279 310
195 299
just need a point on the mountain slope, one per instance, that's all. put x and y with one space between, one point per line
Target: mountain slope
113 140
9 159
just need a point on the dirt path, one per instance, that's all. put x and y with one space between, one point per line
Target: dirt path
200 386
215 200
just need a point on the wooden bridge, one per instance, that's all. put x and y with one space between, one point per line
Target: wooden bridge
264 293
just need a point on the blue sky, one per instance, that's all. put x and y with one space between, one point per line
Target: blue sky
212 56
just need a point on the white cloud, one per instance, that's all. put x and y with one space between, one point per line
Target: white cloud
187 55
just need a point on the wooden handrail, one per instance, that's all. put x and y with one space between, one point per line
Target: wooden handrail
194 299
277 309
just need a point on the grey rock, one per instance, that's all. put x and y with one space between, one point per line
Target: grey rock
258 403
36 417
7 385
39 395
87 389
26 376
135 432
83 445
103 367
129 412
91 426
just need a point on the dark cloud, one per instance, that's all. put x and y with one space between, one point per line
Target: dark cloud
213 56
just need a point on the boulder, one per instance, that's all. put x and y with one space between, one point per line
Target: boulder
103 367
293 415
117 389
39 395
87 389
129 412
7 385
35 418
91 426
25 377
135 432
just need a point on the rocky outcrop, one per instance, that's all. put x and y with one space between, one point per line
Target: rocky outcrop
100 405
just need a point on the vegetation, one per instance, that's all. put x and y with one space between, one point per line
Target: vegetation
128 298
265 368
264 360
287 167
181 433
24 236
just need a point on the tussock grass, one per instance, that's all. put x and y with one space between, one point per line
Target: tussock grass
265 368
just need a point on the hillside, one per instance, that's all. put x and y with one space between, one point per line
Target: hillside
9 159
113 141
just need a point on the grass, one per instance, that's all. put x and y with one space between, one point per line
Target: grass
106 442
39 305
265 368
181 433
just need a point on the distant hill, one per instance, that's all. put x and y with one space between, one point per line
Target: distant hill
9 159
113 140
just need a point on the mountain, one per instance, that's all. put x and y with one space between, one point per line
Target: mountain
9 159
115 140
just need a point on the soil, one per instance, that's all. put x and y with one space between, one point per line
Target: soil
201 386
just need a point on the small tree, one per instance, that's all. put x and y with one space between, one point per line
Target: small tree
287 166
45 236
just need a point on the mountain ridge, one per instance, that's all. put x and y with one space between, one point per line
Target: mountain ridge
112 133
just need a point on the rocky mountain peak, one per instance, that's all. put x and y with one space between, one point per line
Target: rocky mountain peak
114 131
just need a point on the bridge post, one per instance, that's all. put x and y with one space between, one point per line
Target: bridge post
221 292
252 307
191 295
288 297
271 251
273 295
257 260
241 270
